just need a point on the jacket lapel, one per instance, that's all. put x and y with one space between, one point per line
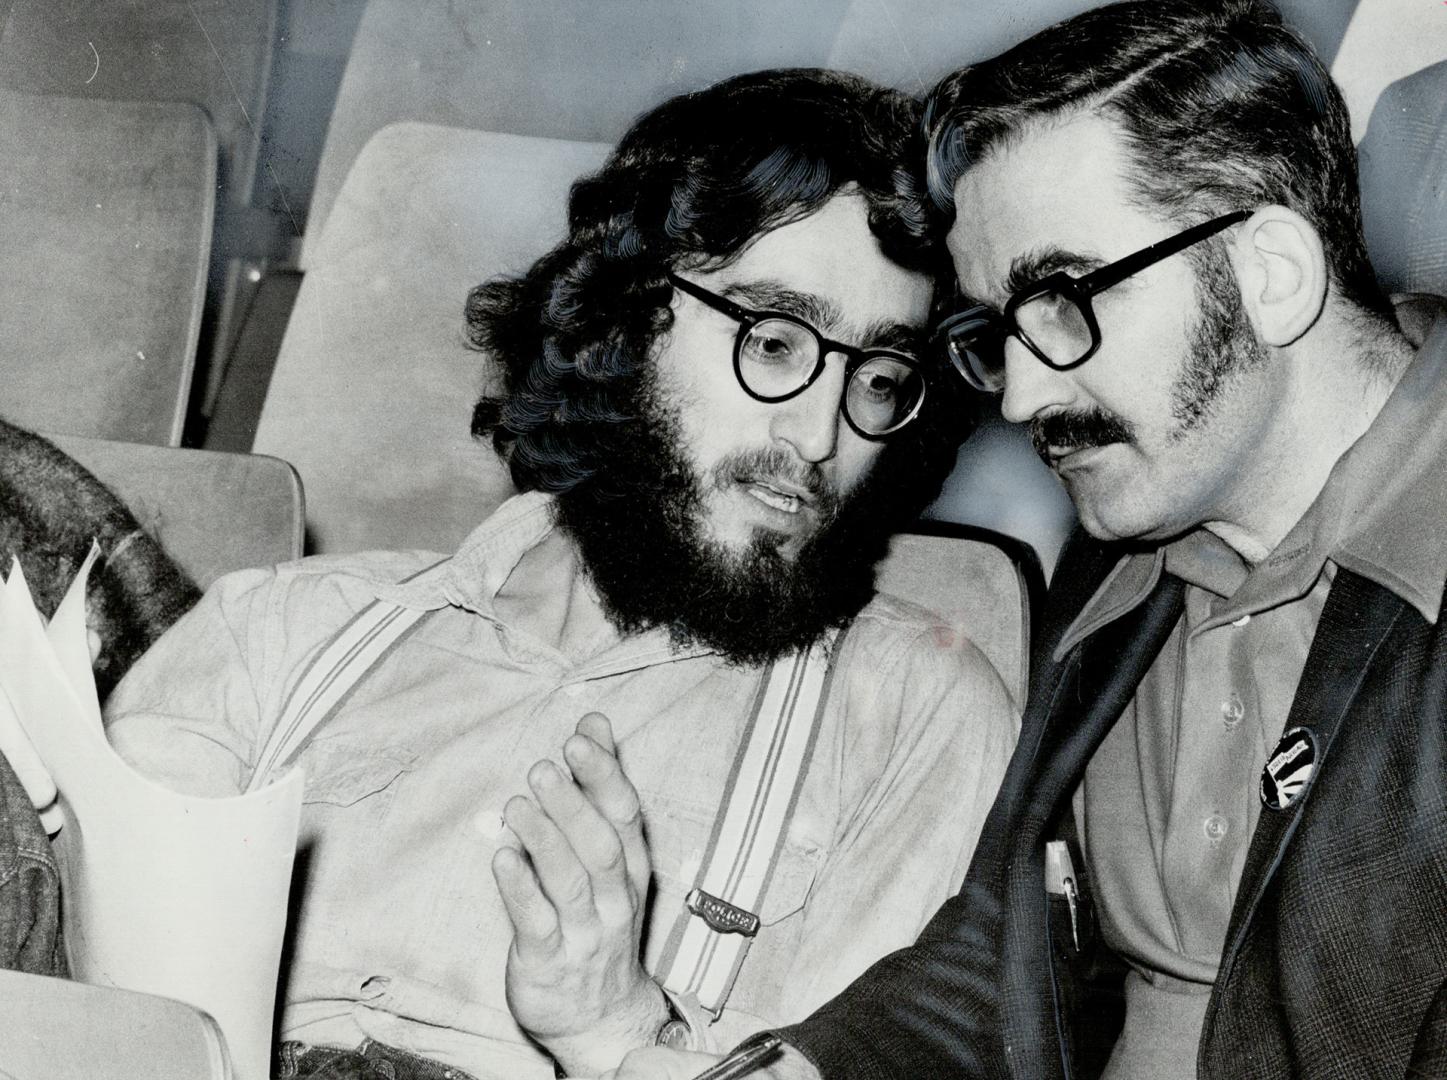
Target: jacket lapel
1356 620
1100 677
1094 684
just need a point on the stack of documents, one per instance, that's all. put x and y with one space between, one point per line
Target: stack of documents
164 893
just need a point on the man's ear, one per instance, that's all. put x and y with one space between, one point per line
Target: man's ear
1281 267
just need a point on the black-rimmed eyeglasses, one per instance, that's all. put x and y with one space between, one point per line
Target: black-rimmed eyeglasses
779 356
1053 317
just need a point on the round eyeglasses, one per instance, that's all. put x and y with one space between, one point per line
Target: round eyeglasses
1053 317
779 356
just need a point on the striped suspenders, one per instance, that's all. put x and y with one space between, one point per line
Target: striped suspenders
711 935
344 661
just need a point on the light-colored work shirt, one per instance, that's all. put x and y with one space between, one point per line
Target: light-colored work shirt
1171 797
400 934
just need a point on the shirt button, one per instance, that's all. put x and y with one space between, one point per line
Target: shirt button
1216 828
1232 710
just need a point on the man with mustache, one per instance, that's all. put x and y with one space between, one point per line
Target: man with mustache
717 407
1221 849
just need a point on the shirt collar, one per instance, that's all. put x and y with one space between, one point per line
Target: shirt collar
1393 521
472 577
1382 513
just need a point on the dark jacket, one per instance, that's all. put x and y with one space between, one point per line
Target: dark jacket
1336 957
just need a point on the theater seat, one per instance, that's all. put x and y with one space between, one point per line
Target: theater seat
213 512
105 233
982 587
1403 161
56 1029
537 68
372 393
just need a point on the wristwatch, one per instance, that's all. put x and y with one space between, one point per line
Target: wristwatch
675 1032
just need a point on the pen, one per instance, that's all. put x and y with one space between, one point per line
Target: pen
745 1058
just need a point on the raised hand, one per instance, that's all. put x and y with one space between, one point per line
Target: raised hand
575 894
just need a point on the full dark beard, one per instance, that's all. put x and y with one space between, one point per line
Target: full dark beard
638 527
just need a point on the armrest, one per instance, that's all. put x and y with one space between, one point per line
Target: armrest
63 1030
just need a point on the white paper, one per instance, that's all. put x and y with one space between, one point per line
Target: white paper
163 893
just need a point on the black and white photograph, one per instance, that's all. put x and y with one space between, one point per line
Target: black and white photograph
723 539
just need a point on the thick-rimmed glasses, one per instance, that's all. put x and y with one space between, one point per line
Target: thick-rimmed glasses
779 356
1053 317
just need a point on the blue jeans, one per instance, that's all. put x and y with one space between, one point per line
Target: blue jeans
30 934
370 1061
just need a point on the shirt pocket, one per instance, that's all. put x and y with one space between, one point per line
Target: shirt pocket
788 890
679 832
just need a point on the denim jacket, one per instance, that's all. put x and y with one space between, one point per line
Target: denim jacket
30 933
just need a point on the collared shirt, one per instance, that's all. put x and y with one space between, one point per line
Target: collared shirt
401 935
1170 800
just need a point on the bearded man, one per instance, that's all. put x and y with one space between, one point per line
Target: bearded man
717 408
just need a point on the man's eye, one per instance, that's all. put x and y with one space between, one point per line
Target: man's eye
884 380
776 342
881 387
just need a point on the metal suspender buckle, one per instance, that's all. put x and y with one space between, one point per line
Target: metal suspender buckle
721 916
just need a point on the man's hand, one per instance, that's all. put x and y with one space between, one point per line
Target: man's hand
17 749
575 981
659 1063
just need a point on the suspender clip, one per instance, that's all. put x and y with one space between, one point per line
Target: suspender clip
721 916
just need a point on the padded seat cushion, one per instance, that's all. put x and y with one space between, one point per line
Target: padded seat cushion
372 394
105 232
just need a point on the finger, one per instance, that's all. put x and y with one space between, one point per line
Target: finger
34 777
607 787
598 728
593 839
534 921
661 1063
563 878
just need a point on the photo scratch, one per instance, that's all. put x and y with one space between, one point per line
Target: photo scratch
96 54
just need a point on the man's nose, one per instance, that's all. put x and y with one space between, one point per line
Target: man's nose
809 422
1031 385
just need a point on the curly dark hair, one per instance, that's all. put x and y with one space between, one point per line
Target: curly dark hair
691 185
1223 106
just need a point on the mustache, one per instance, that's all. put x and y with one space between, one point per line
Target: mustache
774 464
1077 430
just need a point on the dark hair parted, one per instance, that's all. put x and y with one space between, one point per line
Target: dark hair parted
689 186
1223 108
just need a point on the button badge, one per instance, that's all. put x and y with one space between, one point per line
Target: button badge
1288 770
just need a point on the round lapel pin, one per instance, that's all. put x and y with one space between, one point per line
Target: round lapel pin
1288 769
